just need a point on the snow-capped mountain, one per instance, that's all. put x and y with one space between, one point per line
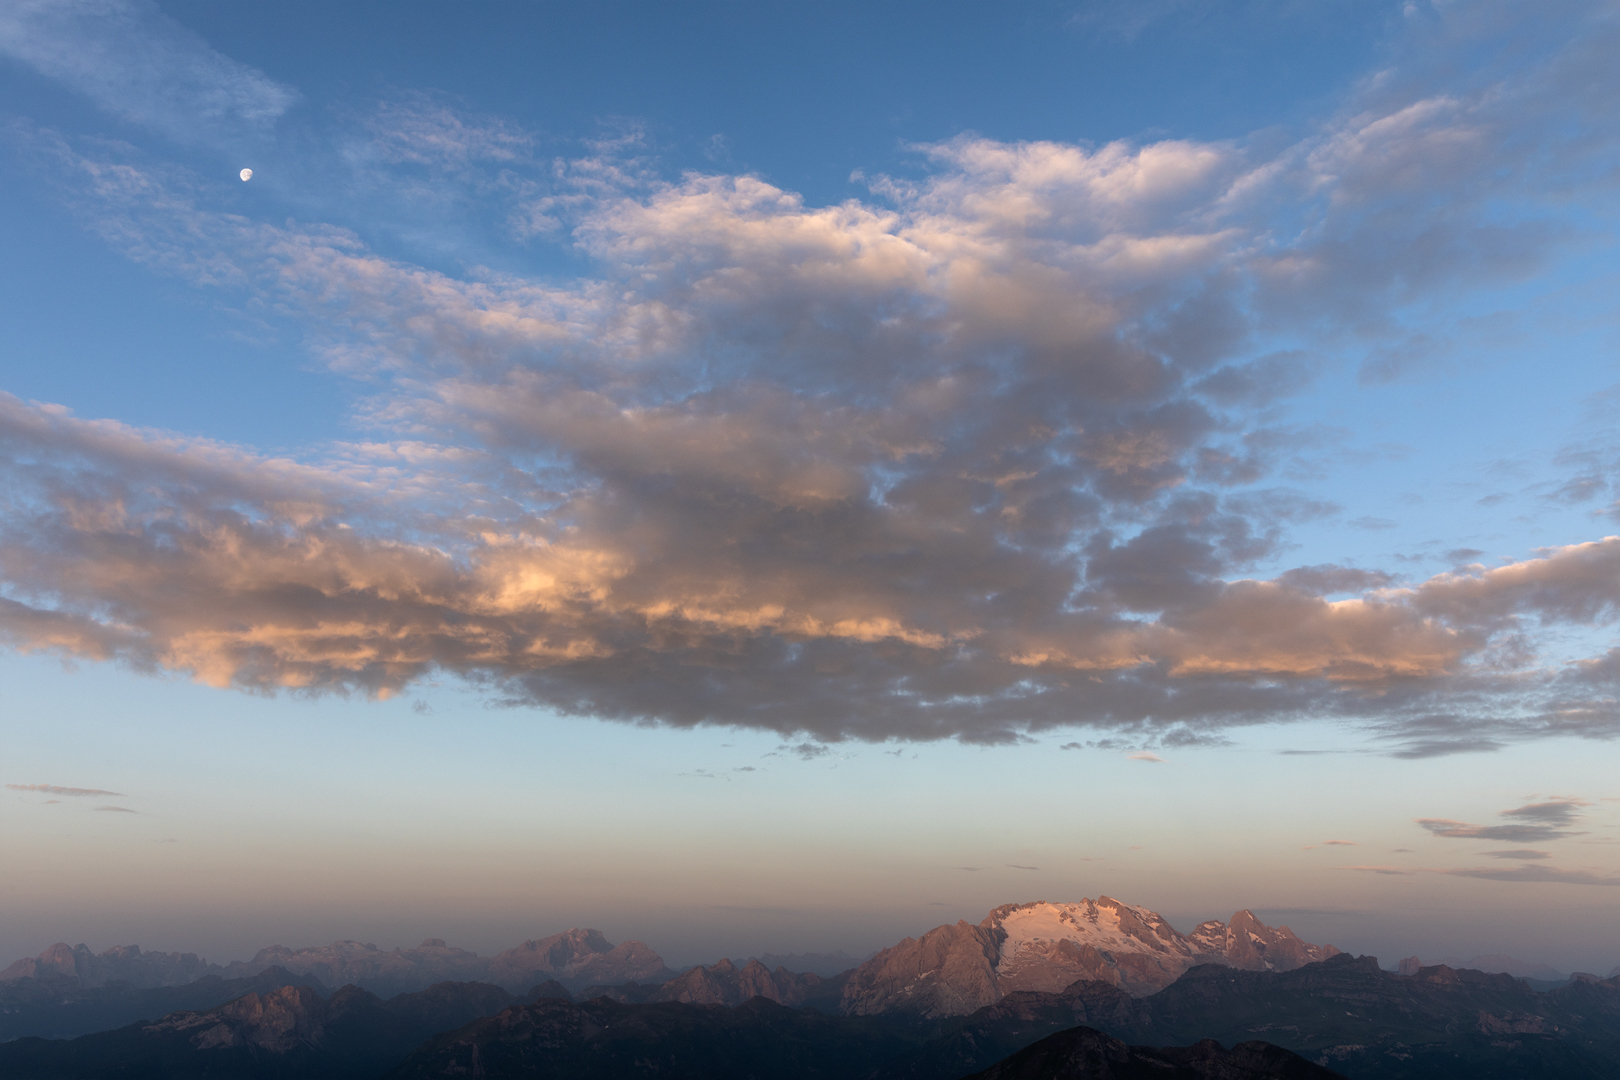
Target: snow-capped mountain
952 970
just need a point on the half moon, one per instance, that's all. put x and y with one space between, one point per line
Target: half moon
247 174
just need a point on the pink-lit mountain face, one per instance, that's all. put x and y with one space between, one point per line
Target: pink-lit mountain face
953 970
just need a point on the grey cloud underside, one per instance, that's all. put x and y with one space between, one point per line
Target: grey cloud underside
985 455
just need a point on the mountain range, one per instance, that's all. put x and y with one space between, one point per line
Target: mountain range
577 958
958 1000
1340 1017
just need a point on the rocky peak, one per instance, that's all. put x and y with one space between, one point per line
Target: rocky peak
126 963
1045 946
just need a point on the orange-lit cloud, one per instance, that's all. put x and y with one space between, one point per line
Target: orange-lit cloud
984 453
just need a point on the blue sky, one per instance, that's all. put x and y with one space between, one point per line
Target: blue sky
715 471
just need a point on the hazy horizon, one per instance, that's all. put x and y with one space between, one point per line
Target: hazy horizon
758 477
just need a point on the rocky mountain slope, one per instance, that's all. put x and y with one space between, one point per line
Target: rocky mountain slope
953 970
58 1007
576 959
725 983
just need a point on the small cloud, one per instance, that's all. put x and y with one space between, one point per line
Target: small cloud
1463 555
52 789
1533 823
1339 843
118 809
421 707
1533 873
717 148
936 903
1143 755
1015 866
1371 523
1518 853
744 768
166 840
49 801
807 750
971 869
1072 746
1399 850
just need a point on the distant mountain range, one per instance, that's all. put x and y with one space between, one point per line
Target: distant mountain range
948 971
956 1000
576 959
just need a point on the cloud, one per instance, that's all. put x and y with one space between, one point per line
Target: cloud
1339 843
1543 821
1144 756
1519 853
1015 866
1492 873
118 809
1535 873
137 63
52 789
984 453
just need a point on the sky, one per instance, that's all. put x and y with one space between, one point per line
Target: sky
778 477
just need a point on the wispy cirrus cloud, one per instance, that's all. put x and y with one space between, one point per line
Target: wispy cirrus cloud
53 789
990 451
1527 873
135 62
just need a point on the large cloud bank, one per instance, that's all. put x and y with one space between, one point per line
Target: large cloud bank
985 453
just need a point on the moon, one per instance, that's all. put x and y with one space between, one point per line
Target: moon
247 174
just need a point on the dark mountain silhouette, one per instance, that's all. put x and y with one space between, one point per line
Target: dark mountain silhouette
1086 1054
290 1032
725 983
1437 1024
1344 1014
607 1040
